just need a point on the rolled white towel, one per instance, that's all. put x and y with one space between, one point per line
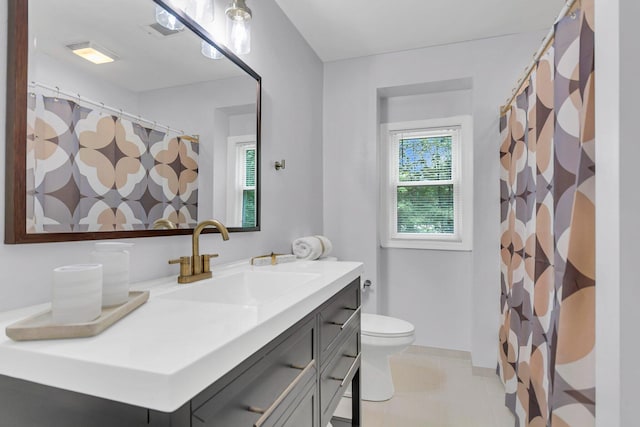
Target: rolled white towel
311 247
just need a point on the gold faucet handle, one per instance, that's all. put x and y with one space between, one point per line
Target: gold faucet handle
206 263
185 265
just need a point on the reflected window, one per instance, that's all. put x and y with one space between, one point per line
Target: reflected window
242 173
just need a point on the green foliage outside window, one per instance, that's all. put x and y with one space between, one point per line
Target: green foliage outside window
425 159
249 208
250 168
249 195
427 209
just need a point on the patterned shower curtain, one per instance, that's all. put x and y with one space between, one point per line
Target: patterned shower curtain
92 171
547 332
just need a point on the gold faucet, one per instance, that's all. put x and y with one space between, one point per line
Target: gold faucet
198 267
163 223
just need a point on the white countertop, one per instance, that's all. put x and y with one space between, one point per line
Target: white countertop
168 350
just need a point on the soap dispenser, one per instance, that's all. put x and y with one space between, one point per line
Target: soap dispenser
114 258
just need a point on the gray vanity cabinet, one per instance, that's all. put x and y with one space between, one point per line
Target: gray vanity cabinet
339 323
296 380
262 393
335 317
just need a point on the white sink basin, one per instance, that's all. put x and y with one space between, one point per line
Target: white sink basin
245 288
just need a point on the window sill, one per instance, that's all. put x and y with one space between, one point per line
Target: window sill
429 244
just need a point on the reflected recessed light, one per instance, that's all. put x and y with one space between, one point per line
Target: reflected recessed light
92 52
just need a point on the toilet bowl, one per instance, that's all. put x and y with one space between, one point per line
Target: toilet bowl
381 337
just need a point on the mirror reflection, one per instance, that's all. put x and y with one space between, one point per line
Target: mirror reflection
130 126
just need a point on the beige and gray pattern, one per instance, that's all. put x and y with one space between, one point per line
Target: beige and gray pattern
547 333
91 171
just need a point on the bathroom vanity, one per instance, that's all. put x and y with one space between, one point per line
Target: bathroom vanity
253 346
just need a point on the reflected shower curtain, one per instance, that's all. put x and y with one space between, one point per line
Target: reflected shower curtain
91 171
547 332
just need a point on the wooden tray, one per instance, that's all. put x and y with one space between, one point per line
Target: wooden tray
41 327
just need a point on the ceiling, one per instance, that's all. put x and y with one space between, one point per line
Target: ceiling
147 59
340 29
335 29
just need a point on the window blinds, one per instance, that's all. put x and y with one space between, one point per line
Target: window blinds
425 181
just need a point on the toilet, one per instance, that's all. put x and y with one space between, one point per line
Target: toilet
381 337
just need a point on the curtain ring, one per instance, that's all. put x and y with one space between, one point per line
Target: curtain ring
57 94
101 108
120 115
573 15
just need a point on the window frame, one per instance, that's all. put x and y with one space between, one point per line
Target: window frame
461 178
237 147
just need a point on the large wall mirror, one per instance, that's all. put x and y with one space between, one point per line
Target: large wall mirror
162 134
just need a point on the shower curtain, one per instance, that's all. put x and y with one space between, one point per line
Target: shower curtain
547 332
91 171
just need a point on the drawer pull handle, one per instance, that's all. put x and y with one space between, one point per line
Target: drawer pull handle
353 366
266 413
345 324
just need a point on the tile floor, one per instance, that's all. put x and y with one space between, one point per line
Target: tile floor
435 388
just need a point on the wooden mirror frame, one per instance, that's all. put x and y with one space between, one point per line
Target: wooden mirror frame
16 135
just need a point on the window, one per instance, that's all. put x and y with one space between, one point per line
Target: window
241 206
426 185
248 185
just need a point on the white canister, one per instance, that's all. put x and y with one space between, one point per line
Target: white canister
115 271
77 293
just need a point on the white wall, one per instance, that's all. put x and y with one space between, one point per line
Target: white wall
608 237
291 117
617 207
351 114
414 286
51 72
425 106
242 124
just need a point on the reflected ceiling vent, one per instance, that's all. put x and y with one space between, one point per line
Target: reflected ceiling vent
158 30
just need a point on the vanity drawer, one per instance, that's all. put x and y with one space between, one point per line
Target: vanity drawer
261 394
339 315
336 377
303 411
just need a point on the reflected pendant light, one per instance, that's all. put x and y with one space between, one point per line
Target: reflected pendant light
238 27
204 16
210 51
203 12
167 20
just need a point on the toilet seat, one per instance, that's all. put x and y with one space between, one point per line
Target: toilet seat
374 325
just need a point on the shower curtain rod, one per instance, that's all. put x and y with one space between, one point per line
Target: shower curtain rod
118 111
546 42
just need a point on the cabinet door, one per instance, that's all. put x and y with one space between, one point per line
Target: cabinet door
24 403
338 374
263 392
303 413
340 314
